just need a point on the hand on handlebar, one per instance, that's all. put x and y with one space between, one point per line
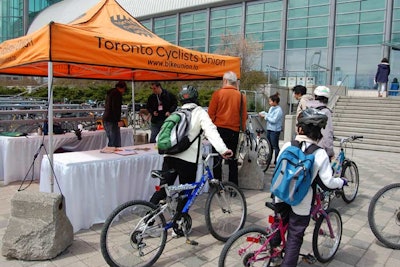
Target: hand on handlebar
345 182
227 154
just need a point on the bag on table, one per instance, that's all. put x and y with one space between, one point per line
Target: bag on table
293 173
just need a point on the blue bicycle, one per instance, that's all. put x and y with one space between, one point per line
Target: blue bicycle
344 167
135 233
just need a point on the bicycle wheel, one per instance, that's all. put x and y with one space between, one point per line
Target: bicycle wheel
324 245
226 210
350 172
246 248
264 154
384 215
127 240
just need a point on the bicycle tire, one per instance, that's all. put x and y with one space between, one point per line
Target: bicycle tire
119 239
264 154
240 248
225 211
384 215
350 172
325 247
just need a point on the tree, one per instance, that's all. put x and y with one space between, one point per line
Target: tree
248 50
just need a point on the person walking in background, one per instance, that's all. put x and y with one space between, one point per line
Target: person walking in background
160 105
322 94
227 109
300 93
112 114
394 87
382 76
274 119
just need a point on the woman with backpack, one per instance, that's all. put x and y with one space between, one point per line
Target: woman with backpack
185 163
310 123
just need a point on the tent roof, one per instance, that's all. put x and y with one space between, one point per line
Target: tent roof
108 43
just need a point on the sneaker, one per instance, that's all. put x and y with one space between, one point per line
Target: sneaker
276 261
233 194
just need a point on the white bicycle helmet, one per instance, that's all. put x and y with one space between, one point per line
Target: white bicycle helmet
322 91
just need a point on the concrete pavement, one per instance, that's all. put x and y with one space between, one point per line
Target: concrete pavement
358 246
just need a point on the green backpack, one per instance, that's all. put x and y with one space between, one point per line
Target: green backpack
173 136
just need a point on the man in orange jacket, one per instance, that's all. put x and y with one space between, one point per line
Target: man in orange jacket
227 110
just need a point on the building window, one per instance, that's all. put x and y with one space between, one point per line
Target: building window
359 22
193 30
264 23
12 16
147 24
307 24
224 21
165 28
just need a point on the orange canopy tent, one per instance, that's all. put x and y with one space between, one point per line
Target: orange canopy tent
106 43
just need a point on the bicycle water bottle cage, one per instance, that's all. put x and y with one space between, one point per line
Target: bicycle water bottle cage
160 174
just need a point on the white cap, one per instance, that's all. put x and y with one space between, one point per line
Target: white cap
322 91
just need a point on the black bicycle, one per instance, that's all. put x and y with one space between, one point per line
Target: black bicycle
384 215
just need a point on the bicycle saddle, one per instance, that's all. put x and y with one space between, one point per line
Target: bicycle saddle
270 205
161 173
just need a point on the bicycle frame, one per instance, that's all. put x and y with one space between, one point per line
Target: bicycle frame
318 210
192 190
280 228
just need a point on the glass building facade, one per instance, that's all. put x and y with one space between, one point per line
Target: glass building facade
332 41
16 15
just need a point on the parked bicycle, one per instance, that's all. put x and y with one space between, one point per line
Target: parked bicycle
384 215
251 246
261 145
343 166
139 118
135 233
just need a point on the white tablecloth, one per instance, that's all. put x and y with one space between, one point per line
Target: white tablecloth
17 153
95 183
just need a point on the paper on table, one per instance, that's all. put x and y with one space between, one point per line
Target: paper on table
125 152
109 149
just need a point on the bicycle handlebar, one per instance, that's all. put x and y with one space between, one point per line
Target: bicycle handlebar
348 139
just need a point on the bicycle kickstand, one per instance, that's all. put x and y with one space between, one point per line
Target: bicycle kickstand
188 241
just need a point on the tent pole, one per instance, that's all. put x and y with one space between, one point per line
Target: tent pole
133 110
50 119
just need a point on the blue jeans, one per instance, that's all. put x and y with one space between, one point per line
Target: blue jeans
273 138
113 133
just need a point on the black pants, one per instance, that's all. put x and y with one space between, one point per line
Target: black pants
187 174
231 139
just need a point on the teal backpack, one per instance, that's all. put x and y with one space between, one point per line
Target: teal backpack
293 173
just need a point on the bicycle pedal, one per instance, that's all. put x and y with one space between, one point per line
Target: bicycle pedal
191 242
310 259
